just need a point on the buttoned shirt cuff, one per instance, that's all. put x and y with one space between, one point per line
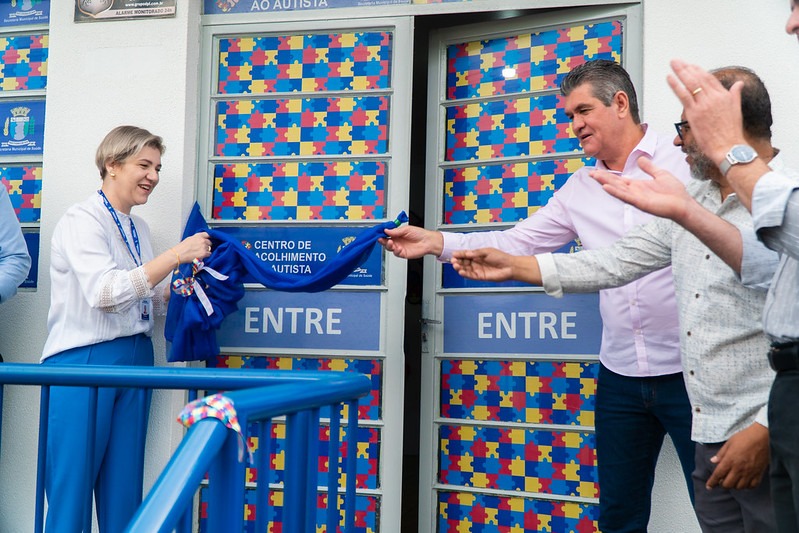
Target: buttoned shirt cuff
550 279
769 199
762 416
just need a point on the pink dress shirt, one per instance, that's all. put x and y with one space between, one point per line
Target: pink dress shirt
640 335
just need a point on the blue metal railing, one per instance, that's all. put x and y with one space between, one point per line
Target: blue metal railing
209 446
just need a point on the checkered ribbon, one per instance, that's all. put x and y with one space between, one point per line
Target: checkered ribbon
220 407
189 285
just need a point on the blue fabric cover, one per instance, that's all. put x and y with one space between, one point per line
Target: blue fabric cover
192 331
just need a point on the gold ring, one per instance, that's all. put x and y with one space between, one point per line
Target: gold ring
696 91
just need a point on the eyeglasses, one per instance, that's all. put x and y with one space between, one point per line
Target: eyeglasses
681 127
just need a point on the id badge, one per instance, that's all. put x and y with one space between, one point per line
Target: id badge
144 306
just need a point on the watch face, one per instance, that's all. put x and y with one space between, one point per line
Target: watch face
743 153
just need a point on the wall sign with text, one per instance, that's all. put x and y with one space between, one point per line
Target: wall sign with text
304 251
96 10
225 7
32 240
529 323
21 127
24 12
329 320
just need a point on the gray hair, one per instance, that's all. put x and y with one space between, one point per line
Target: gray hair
606 79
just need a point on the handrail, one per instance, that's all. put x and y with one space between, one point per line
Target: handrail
258 396
150 377
174 489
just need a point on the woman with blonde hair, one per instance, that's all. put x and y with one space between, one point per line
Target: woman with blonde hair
105 289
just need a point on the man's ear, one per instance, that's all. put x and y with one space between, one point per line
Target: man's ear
622 103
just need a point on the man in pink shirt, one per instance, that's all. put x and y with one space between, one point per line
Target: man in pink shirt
640 390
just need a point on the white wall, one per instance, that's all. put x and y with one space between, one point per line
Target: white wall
101 75
714 33
144 72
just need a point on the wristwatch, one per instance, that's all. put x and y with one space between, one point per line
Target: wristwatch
740 154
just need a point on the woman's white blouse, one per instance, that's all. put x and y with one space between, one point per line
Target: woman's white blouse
97 289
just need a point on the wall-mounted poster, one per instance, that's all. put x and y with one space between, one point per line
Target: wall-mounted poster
225 7
97 10
32 240
21 127
24 12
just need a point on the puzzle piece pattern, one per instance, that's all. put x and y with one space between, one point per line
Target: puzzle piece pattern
301 190
505 192
295 127
369 439
318 155
513 127
23 62
557 463
366 508
529 392
513 458
541 60
369 406
304 63
367 455
461 512
24 186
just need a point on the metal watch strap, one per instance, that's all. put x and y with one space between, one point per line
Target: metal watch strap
731 158
725 164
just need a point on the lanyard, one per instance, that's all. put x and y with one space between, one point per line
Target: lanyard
133 232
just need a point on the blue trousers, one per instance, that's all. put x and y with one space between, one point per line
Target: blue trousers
783 425
117 466
633 415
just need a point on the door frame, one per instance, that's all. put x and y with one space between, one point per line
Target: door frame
432 294
392 289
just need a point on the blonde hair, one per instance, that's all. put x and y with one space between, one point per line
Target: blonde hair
123 142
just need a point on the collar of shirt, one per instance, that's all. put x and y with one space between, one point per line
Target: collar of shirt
645 147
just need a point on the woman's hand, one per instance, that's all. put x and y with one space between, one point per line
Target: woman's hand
198 246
